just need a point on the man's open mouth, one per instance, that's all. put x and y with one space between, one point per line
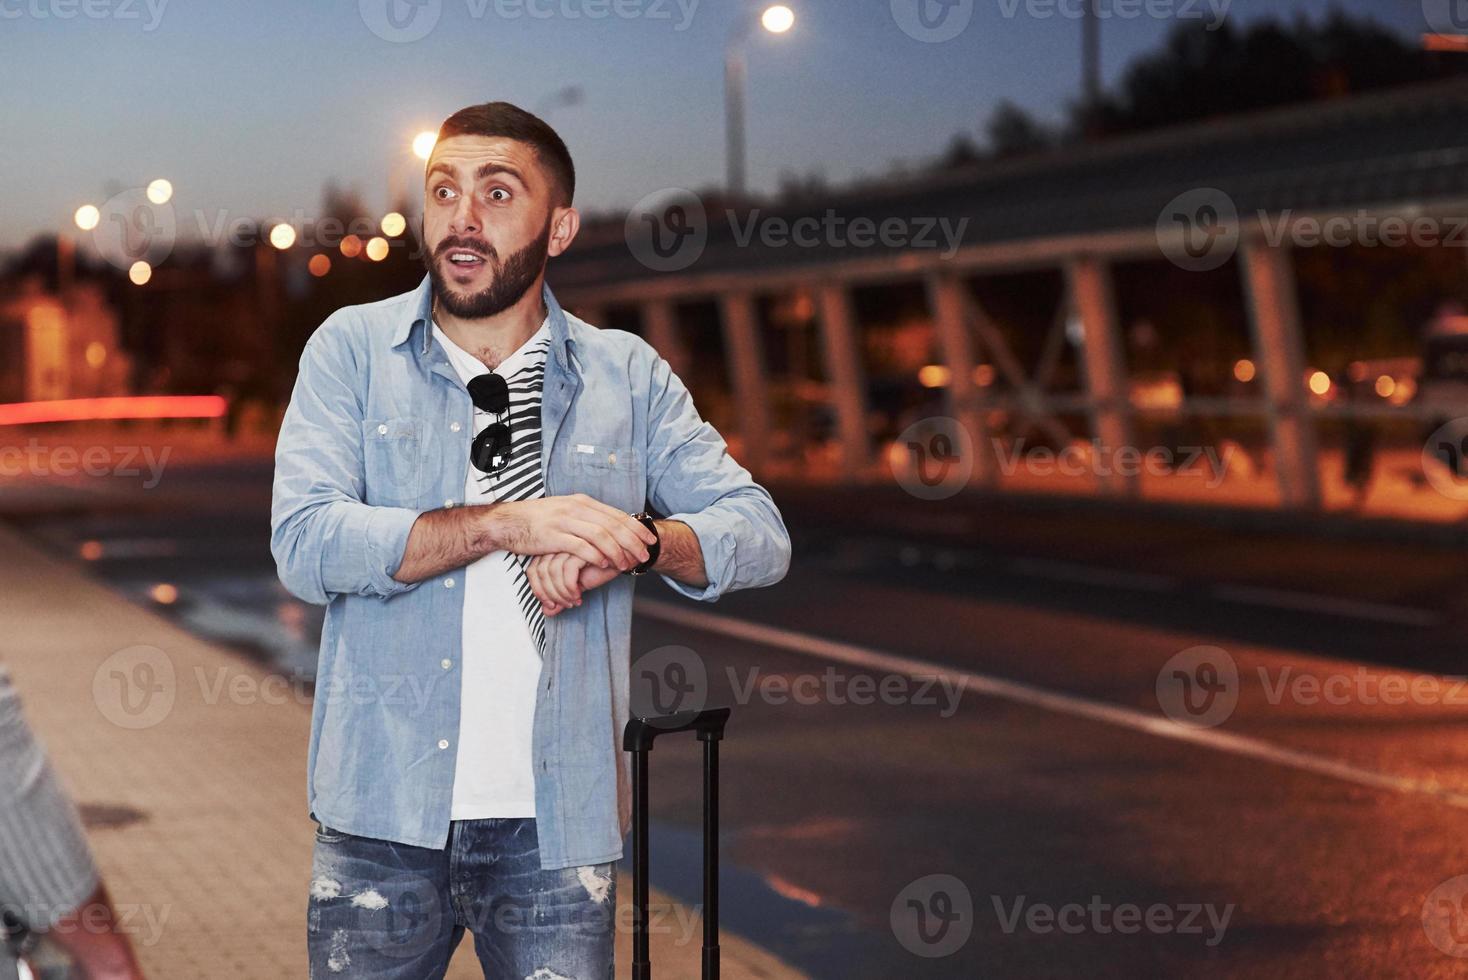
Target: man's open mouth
460 259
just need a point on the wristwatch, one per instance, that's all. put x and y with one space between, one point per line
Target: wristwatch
652 549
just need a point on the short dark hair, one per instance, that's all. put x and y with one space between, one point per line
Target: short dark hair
512 122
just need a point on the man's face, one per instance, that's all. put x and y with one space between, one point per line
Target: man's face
488 216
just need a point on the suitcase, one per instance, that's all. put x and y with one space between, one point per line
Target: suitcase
638 738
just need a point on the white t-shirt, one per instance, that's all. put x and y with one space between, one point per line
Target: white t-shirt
503 627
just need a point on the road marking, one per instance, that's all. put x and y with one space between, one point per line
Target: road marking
1106 713
1305 602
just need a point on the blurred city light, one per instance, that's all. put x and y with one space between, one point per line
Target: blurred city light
1244 370
393 224
119 407
423 144
778 19
140 273
87 216
933 375
351 246
282 236
160 191
164 593
90 550
96 354
377 249
1385 385
319 265
1320 382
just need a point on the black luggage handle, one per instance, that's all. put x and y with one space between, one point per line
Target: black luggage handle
638 738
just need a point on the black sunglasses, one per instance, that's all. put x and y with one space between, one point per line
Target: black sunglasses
490 451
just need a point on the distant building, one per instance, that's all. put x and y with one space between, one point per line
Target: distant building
54 347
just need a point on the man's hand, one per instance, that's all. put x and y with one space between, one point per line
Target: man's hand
598 534
559 580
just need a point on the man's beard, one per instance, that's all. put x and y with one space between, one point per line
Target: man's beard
512 278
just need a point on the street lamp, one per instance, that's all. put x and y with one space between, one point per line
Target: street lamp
774 19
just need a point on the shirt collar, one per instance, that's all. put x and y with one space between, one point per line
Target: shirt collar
562 342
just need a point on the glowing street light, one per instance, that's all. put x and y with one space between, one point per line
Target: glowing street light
87 217
393 224
160 191
423 144
282 236
775 19
140 272
377 249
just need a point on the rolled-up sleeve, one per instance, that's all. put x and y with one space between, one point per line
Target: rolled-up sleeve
46 868
326 540
693 479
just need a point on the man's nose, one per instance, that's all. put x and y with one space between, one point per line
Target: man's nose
465 220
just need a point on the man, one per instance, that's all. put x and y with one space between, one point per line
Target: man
456 479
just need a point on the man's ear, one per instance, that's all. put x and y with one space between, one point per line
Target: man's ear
565 223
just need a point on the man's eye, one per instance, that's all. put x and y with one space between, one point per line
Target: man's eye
499 194
443 193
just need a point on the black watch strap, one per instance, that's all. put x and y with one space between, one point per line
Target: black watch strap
652 549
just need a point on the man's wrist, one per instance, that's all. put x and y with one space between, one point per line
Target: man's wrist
487 530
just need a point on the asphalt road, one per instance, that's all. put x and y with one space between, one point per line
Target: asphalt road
980 739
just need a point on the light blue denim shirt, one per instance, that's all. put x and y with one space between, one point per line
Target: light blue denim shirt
378 432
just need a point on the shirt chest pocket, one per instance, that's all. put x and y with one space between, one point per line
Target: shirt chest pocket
610 473
393 460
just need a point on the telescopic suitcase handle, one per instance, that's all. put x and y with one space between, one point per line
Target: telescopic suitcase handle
638 739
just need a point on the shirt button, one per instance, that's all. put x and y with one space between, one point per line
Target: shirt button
448 504
447 663
382 430
448 583
454 427
443 743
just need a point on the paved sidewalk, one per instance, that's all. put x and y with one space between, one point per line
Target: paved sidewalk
190 766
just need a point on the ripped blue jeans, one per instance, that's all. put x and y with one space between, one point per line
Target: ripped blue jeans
381 911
